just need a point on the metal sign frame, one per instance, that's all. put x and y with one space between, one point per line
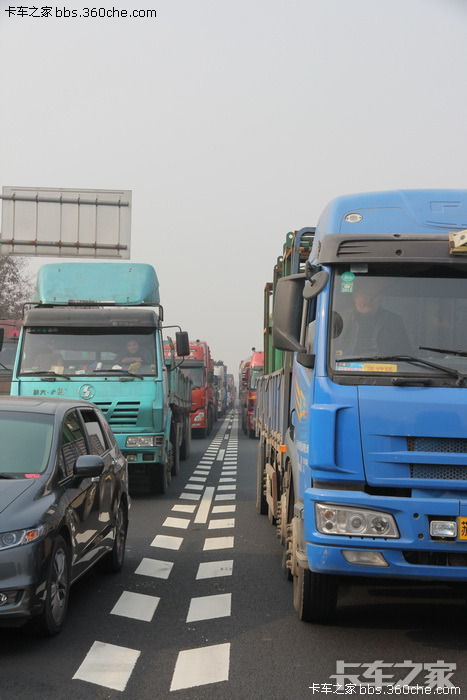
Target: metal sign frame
63 222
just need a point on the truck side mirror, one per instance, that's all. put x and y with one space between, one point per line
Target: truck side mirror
2 335
182 343
287 313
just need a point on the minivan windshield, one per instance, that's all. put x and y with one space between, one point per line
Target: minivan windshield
383 321
71 351
26 439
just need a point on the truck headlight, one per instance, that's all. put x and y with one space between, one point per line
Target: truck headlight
19 537
140 441
332 519
199 417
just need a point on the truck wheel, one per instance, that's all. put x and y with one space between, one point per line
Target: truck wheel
185 447
314 595
251 434
51 620
160 475
261 503
176 457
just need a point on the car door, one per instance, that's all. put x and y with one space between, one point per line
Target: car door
99 445
81 493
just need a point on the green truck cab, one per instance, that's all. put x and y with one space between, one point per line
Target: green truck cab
95 332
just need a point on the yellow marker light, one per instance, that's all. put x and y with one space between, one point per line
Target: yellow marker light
282 448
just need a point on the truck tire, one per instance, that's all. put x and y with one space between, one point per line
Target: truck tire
261 503
251 434
160 474
314 595
176 455
185 447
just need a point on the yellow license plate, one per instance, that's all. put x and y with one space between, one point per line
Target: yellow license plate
462 528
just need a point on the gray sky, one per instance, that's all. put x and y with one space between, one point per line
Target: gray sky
233 123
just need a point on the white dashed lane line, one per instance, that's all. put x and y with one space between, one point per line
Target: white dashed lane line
221 523
155 568
212 543
190 496
213 569
201 666
224 509
181 523
209 607
108 665
225 497
137 606
167 542
181 508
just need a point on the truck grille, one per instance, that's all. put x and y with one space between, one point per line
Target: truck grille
449 472
429 444
124 413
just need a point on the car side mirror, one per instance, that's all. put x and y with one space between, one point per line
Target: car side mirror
182 343
88 465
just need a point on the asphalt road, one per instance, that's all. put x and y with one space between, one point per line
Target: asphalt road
209 614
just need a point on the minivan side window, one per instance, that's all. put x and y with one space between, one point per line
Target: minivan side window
73 443
97 442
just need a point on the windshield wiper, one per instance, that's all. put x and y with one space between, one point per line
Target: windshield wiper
411 359
459 353
124 372
45 373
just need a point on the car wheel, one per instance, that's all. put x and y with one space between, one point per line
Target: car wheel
113 560
51 620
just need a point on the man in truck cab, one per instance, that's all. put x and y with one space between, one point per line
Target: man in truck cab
368 328
134 356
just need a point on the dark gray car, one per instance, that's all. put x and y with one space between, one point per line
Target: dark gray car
63 504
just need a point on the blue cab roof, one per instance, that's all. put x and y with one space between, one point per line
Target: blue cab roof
396 211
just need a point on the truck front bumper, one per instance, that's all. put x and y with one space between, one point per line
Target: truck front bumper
415 554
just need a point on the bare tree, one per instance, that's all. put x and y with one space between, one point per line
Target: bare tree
15 286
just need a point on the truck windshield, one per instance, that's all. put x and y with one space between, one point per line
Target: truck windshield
7 356
256 373
196 374
78 351
26 439
418 313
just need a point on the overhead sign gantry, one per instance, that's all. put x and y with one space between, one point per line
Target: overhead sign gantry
62 222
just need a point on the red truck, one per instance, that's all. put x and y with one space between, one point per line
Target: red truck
250 371
199 367
10 331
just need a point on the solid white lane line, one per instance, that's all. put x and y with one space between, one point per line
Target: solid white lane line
220 456
224 509
167 542
225 497
227 487
138 606
209 607
198 478
211 543
176 522
190 496
183 509
221 523
212 569
201 666
225 480
203 509
155 568
108 665
194 487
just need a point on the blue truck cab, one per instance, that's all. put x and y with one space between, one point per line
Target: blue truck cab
94 332
374 478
